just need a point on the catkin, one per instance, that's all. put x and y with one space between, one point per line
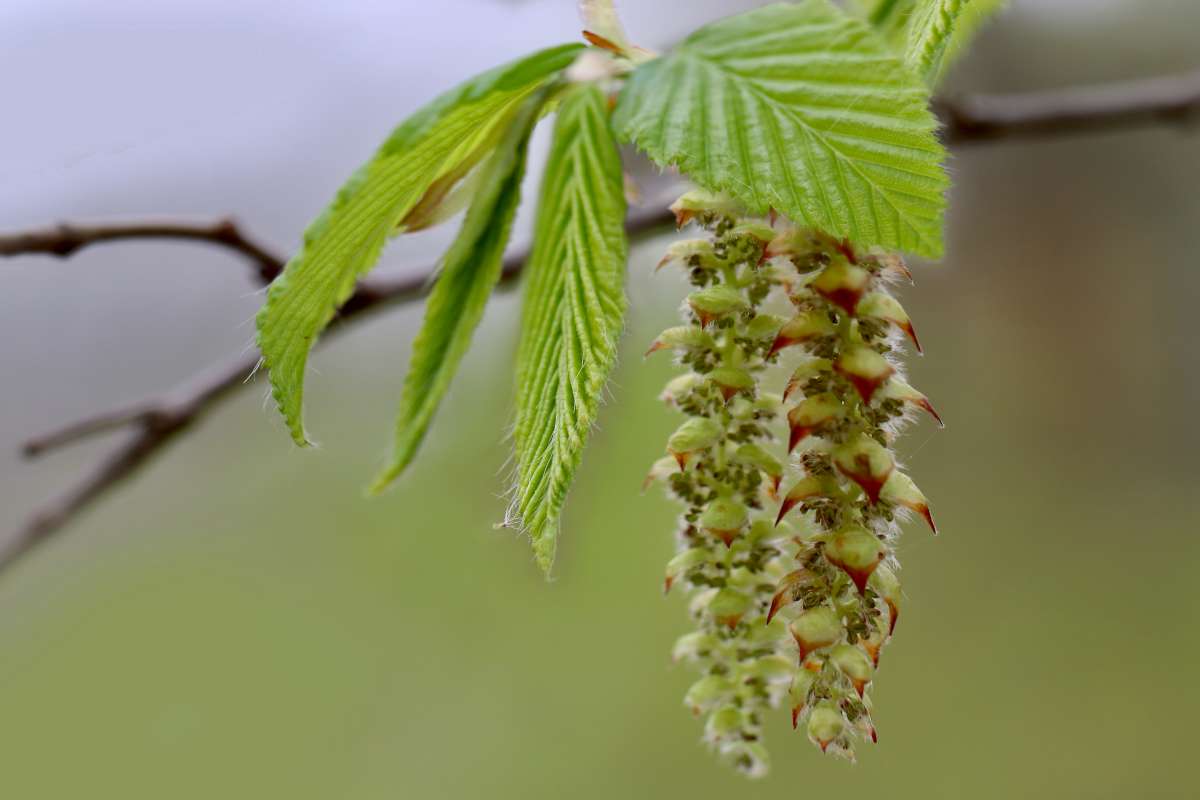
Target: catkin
791 499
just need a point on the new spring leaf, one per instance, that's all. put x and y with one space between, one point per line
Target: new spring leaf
574 306
467 276
802 108
421 160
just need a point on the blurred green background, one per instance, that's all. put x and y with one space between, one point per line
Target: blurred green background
239 622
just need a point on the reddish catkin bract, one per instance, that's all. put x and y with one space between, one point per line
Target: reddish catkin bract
791 499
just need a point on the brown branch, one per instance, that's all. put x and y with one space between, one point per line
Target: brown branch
65 240
157 422
1169 100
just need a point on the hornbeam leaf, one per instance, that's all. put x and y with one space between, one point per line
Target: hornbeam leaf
930 30
469 271
930 33
803 108
422 159
573 311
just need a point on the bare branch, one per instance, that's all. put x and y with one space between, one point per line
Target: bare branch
65 240
157 422
1170 100
153 424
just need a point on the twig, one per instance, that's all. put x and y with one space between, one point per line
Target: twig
65 240
155 423
1172 99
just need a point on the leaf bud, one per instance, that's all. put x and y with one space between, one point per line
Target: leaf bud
682 337
816 628
842 284
899 490
731 380
897 389
698 202
810 415
864 367
708 692
804 327
825 724
728 606
866 462
790 589
696 433
685 562
692 646
854 664
692 252
724 518
881 305
802 682
715 302
857 552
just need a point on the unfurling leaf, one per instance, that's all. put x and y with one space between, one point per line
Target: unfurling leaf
425 156
573 312
930 30
930 33
469 272
803 109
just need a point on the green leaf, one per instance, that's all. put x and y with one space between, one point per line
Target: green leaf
930 29
469 271
421 160
573 311
931 33
803 108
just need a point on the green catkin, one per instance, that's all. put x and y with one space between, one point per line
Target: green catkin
791 500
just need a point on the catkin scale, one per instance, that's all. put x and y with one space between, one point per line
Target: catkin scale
786 541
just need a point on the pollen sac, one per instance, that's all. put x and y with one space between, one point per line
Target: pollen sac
864 367
867 463
716 302
810 416
857 552
814 629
